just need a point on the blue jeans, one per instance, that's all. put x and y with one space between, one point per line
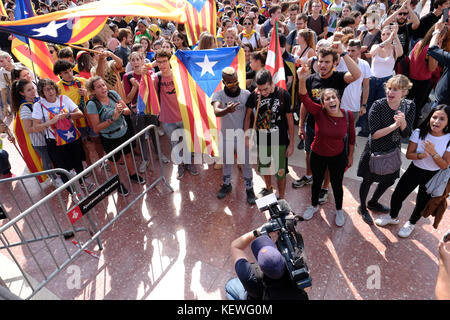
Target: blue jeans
376 92
235 290
180 157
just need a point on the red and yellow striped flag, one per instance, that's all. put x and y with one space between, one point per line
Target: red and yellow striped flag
197 75
2 9
201 16
147 101
32 159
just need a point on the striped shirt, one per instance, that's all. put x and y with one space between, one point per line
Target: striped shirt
37 138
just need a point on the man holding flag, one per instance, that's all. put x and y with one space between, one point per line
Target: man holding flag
170 115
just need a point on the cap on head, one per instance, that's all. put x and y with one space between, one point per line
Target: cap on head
268 257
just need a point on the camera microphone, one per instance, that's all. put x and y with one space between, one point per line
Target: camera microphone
284 205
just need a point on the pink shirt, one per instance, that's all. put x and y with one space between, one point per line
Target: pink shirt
170 111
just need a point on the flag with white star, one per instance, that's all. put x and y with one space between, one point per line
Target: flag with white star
197 75
81 23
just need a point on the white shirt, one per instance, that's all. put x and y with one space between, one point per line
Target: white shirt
351 98
440 145
39 112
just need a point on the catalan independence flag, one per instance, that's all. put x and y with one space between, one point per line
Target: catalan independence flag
197 74
80 24
34 54
147 101
201 16
274 60
2 9
32 159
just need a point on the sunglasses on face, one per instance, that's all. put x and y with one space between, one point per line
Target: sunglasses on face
231 84
52 52
247 24
403 14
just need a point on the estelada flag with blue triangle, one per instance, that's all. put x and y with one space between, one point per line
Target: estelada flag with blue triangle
81 23
147 100
200 16
34 54
197 75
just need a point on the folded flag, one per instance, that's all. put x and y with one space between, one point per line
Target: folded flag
147 101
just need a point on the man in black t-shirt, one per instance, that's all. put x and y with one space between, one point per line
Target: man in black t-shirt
274 127
325 78
407 22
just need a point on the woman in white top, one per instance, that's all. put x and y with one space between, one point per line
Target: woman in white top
430 152
305 48
383 62
63 139
249 34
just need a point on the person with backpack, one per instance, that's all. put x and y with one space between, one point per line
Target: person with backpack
32 142
131 83
106 112
54 113
249 34
317 21
74 88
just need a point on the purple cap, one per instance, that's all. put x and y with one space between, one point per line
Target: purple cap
268 257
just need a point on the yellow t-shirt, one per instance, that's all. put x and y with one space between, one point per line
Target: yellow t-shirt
74 95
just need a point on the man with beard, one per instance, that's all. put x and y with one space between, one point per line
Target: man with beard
405 29
229 105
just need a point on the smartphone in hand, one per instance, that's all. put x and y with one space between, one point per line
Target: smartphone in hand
445 14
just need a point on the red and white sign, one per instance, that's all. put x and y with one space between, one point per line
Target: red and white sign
75 214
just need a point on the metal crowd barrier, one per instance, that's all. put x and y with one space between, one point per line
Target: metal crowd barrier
43 234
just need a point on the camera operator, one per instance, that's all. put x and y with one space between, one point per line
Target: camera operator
267 279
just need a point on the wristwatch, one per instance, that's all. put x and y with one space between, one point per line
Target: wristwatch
364 105
69 116
255 233
343 53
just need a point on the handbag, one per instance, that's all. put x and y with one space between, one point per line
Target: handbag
384 163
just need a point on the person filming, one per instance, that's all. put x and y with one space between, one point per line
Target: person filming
267 279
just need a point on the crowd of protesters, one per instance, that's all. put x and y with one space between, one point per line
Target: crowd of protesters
354 67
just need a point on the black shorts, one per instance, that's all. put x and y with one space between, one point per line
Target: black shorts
111 144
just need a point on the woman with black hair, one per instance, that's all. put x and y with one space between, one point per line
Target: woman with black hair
430 152
30 140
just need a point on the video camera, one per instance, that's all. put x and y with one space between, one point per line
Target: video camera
290 242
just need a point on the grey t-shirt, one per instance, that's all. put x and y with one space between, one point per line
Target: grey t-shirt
233 120
116 129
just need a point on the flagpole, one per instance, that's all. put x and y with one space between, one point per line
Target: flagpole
32 62
11 137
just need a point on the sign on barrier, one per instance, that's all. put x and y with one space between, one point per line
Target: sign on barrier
98 195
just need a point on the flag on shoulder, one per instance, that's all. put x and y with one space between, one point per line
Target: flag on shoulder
197 76
147 101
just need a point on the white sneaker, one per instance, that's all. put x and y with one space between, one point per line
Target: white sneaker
385 220
406 230
143 166
340 218
309 212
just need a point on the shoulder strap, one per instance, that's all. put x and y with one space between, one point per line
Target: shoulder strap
159 74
